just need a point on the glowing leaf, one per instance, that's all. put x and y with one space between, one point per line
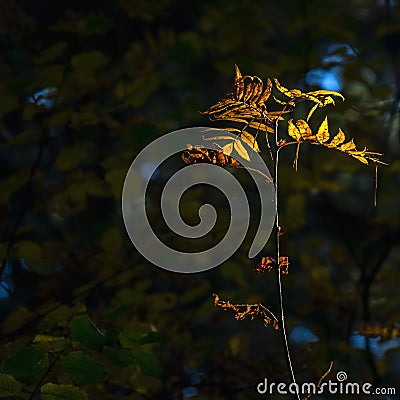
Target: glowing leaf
312 111
348 146
304 130
338 139
360 158
239 83
293 131
250 140
324 93
289 93
261 127
257 90
323 133
241 150
227 149
249 90
267 92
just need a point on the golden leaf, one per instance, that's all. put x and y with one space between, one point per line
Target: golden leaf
323 133
261 127
281 88
338 139
281 142
239 83
266 264
293 131
348 146
267 92
304 129
227 149
237 144
249 90
325 93
312 111
360 158
250 140
258 88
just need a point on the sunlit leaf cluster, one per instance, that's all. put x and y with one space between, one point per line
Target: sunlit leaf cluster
243 311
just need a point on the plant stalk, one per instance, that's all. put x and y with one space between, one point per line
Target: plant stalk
277 232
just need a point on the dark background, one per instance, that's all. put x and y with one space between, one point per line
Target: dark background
85 86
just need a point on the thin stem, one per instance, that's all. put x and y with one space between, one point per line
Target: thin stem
49 368
277 230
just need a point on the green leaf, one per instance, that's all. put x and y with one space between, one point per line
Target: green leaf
89 60
9 386
148 364
84 331
120 357
52 53
152 337
83 368
51 391
26 364
70 157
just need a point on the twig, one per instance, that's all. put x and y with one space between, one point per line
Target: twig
49 368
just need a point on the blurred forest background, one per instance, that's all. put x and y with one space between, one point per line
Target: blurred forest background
84 87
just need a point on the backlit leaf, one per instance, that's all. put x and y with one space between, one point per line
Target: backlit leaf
323 133
360 158
338 139
293 131
312 111
304 129
324 93
239 83
241 150
348 146
261 127
250 140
